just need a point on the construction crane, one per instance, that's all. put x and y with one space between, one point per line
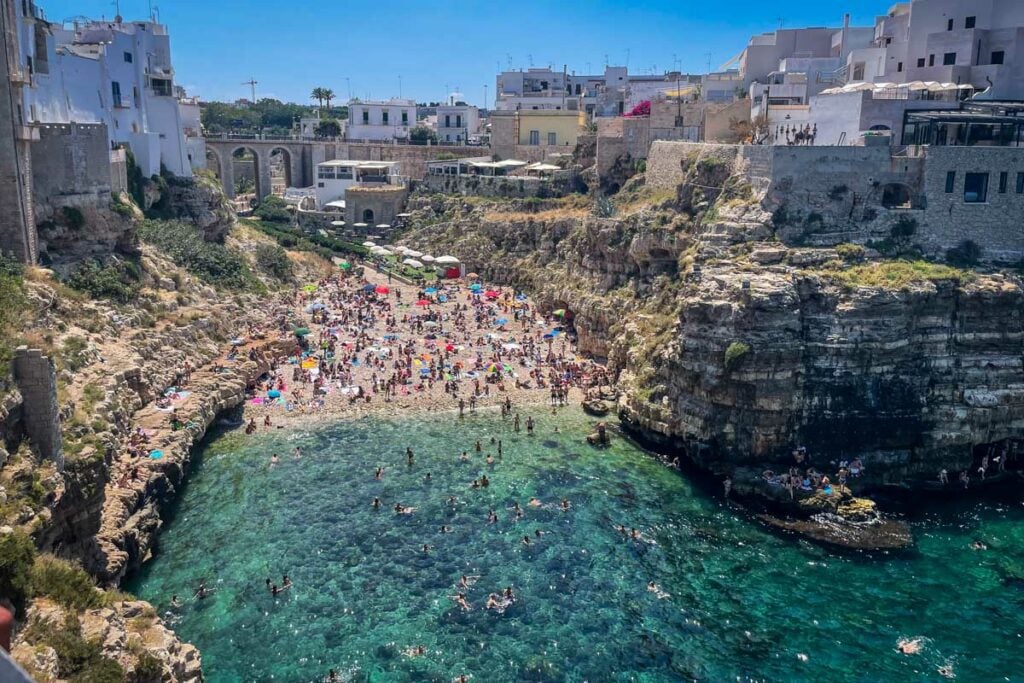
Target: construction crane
252 82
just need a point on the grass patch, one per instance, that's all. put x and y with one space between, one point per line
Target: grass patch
78 660
66 584
734 355
898 274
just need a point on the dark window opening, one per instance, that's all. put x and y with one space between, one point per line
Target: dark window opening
975 188
949 25
950 181
970 22
128 57
115 91
1020 183
998 57
899 67
1004 180
949 59
931 60
920 63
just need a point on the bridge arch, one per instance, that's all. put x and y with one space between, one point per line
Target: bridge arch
282 169
247 165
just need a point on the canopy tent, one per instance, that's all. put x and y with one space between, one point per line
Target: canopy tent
412 263
412 253
912 86
446 261
427 258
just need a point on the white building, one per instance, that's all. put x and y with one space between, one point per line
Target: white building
190 112
457 123
118 73
390 120
334 178
543 88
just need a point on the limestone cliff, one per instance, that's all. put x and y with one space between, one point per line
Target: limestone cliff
736 349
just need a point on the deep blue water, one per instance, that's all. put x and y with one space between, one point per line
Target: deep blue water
743 603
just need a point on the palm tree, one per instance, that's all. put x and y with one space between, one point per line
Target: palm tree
318 94
328 95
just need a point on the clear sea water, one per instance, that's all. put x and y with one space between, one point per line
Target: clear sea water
744 603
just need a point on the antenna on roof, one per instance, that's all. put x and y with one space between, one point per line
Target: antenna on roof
117 11
782 21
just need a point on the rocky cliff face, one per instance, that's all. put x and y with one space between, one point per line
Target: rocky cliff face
736 349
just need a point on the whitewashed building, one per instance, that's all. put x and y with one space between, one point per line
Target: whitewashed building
334 178
380 121
457 123
118 73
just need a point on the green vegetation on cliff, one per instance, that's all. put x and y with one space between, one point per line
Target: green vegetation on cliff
12 294
211 262
897 274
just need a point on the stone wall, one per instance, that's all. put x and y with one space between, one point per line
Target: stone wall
824 196
384 202
36 378
17 226
118 171
70 167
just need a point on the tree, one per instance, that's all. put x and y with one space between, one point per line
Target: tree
421 135
319 94
328 96
328 128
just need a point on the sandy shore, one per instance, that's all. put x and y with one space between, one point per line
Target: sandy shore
470 341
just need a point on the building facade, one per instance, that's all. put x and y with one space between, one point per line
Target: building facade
116 73
457 123
389 120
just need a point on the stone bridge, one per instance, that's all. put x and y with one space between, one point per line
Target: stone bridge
300 158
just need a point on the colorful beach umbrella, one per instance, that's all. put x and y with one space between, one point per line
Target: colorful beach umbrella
368 288
430 290
558 313
422 302
381 289
301 331
345 265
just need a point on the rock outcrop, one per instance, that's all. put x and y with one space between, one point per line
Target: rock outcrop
735 349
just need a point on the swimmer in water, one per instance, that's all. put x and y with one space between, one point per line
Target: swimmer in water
460 600
526 540
656 589
285 582
978 545
467 581
479 446
202 591
408 455
376 503
426 548
445 529
379 473
332 676
417 651
452 501
274 459
946 671
490 459
535 503
484 481
297 453
493 601
427 478
538 533
565 504
908 646
464 456
174 602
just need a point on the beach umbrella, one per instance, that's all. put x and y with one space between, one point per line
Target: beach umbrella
428 258
317 306
476 286
511 346
301 331
381 289
422 302
472 276
309 288
368 288
430 323
430 290
491 294
413 253
501 321
412 263
308 364
369 244
345 265
558 313
449 348
446 261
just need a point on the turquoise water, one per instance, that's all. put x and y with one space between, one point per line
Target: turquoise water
744 604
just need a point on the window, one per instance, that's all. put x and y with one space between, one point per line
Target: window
998 57
969 22
552 138
366 117
135 95
949 25
534 137
458 120
447 121
950 181
949 59
899 67
920 63
1004 180
405 118
115 91
858 71
1020 183
931 60
128 57
384 117
975 188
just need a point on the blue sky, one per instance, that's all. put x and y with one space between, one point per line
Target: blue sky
292 46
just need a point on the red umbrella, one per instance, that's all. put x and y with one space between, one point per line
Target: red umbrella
491 294
449 348
381 289
422 302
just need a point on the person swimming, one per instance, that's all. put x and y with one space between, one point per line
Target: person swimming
174 602
484 481
526 540
535 503
460 600
908 646
415 651
656 589
297 453
202 591
565 504
379 473
274 459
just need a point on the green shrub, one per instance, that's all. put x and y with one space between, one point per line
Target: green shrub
73 352
148 667
734 354
17 554
73 217
120 208
12 294
273 210
66 584
850 252
78 660
272 259
210 262
115 280
967 253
